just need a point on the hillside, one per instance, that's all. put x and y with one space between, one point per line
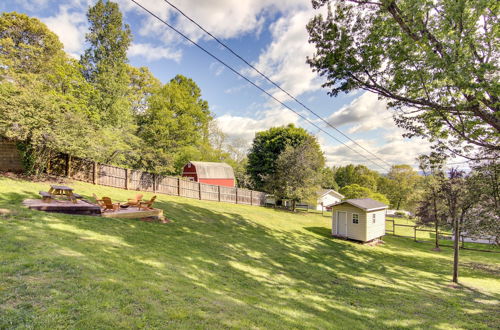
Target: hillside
220 265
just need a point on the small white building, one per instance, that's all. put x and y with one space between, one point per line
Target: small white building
327 197
361 219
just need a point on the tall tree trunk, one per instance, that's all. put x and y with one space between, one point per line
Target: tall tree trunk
436 219
293 205
456 248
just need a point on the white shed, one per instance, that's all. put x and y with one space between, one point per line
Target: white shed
327 197
361 219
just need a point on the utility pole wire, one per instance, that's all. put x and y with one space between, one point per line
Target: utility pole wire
249 81
272 82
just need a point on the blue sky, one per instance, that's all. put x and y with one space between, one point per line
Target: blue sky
268 33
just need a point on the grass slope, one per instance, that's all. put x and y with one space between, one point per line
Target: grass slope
220 265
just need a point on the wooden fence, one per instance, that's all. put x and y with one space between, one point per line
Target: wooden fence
417 229
107 175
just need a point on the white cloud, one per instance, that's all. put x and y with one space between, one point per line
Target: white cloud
70 26
153 53
284 60
224 19
244 128
369 115
365 113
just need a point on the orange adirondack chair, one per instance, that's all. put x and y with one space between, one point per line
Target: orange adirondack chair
99 201
148 204
109 205
135 201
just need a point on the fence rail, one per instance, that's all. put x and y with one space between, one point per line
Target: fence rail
113 176
440 234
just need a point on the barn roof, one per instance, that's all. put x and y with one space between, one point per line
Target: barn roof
366 204
211 170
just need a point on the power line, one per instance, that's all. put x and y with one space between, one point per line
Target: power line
272 82
251 82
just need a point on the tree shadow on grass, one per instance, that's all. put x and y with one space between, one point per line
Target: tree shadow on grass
224 269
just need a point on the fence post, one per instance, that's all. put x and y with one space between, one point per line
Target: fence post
415 233
127 178
178 186
393 227
251 197
199 189
218 193
236 199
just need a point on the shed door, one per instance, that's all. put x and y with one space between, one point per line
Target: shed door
342 223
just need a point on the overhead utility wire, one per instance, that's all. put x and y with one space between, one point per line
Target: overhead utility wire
272 82
251 82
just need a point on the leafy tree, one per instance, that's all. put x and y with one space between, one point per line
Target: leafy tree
434 61
485 219
175 126
104 62
430 209
298 172
356 174
400 184
356 191
266 148
142 86
459 200
43 96
328 179
26 46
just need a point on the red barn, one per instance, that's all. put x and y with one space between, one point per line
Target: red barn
220 174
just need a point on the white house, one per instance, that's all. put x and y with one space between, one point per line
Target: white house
361 219
327 197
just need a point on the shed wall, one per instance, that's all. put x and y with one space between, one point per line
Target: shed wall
377 229
327 200
355 231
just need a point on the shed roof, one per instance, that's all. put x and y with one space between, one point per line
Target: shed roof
211 170
366 204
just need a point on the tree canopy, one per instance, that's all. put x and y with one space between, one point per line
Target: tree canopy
104 62
266 148
298 172
436 62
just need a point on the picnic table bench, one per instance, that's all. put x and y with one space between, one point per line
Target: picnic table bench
63 191
46 197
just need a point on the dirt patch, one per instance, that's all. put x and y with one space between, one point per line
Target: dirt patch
375 242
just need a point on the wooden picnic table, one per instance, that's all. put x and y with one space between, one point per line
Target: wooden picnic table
63 191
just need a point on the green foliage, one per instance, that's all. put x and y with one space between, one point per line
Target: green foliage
298 172
266 148
175 125
43 103
434 61
356 174
328 179
401 183
356 191
104 63
26 46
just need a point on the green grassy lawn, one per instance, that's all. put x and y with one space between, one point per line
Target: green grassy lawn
219 265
